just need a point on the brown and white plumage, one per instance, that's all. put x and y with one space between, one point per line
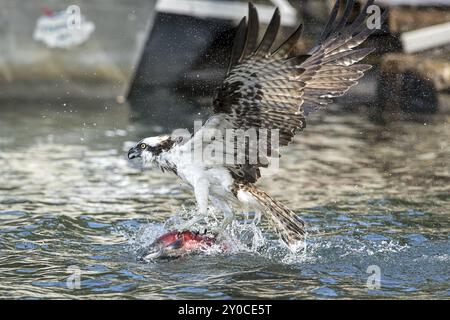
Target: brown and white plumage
268 88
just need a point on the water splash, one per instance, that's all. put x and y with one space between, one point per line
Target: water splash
243 235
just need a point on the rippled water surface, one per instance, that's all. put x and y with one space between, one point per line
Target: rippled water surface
374 196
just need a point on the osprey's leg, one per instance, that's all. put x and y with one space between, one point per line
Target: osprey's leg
201 192
228 214
250 204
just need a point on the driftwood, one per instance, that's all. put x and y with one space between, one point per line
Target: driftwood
402 19
426 38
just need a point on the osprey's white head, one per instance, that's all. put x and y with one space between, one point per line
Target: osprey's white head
148 149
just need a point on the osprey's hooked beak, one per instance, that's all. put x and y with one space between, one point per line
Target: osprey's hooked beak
134 152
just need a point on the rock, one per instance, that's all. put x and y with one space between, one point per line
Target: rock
411 82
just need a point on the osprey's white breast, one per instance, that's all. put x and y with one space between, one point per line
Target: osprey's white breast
192 171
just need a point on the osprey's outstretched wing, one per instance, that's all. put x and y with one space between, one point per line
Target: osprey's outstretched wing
271 89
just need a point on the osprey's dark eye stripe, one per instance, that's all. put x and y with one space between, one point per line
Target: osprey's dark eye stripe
143 146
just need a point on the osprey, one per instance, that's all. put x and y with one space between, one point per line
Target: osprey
265 88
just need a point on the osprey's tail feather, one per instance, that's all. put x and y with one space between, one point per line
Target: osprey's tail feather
284 221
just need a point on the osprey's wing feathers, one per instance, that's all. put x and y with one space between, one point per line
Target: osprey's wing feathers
330 69
272 90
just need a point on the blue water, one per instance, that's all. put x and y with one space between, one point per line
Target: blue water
73 208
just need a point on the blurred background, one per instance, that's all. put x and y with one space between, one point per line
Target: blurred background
82 80
144 52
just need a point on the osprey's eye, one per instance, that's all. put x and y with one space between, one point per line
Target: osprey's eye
143 146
